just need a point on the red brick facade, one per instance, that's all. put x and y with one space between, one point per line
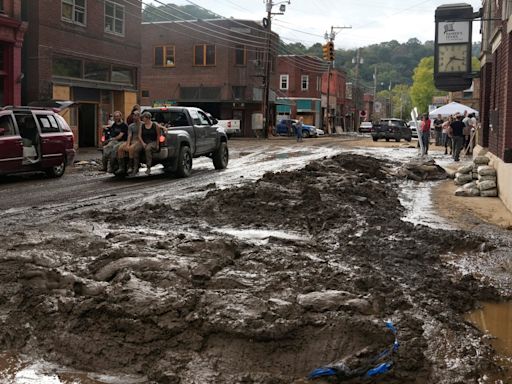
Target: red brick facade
228 82
83 54
12 30
496 79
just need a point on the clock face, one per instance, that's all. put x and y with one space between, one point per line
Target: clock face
452 58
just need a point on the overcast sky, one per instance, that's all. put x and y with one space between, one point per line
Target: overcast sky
372 21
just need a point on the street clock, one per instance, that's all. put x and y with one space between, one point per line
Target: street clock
452 54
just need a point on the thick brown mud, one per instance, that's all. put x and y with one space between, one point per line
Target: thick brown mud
192 292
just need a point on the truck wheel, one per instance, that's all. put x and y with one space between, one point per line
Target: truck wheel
184 168
221 156
56 170
397 140
375 138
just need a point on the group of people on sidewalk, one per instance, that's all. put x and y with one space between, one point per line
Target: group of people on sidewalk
454 133
126 142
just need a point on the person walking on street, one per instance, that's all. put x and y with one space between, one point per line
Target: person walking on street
438 127
298 129
425 133
457 128
447 136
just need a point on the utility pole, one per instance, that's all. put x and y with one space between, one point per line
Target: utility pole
330 42
357 60
267 23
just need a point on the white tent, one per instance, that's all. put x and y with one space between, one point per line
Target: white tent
451 109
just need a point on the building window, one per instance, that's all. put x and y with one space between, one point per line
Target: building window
318 83
240 55
66 67
96 71
283 82
121 75
238 92
114 18
304 82
164 56
73 11
204 54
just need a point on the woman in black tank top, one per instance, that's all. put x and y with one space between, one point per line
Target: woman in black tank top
148 136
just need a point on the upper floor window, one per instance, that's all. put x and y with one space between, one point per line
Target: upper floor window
74 11
283 82
304 82
240 55
164 56
114 18
204 54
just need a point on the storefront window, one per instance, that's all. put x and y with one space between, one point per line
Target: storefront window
96 71
122 75
67 67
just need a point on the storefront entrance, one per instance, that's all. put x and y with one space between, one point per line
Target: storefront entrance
87 125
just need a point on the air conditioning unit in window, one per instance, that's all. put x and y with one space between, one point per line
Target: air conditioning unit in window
257 63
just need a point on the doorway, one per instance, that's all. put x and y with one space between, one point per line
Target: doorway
87 125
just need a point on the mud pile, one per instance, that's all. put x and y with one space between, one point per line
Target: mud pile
256 284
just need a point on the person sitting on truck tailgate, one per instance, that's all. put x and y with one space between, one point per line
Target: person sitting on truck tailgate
148 137
118 134
130 147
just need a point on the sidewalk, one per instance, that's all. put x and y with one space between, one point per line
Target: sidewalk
87 154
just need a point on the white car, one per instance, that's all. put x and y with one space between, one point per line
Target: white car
414 129
320 132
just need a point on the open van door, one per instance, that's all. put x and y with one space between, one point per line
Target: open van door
11 144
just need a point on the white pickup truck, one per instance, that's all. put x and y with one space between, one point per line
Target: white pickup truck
231 127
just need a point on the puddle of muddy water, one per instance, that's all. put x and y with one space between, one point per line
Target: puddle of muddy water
260 236
495 319
417 200
15 370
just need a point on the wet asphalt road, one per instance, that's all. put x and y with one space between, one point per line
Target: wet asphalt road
84 186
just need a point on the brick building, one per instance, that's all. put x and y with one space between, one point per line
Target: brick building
339 98
85 51
496 91
300 88
217 65
469 97
12 31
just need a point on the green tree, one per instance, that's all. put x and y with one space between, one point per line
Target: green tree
423 87
401 103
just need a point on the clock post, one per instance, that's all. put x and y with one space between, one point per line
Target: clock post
452 49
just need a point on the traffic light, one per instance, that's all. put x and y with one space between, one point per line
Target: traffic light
328 51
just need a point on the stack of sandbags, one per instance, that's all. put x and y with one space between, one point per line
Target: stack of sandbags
477 179
487 181
464 174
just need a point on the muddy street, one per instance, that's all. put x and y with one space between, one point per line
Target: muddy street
292 258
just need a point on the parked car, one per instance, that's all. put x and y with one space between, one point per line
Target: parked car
391 129
287 127
365 127
320 132
34 139
189 133
414 129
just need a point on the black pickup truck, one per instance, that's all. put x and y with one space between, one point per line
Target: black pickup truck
189 132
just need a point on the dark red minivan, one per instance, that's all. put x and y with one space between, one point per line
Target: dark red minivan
34 139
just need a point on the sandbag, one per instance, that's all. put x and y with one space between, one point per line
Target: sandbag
461 179
489 193
473 184
487 184
486 178
475 175
467 192
485 170
483 160
465 169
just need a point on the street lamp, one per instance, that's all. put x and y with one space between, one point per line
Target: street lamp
267 23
